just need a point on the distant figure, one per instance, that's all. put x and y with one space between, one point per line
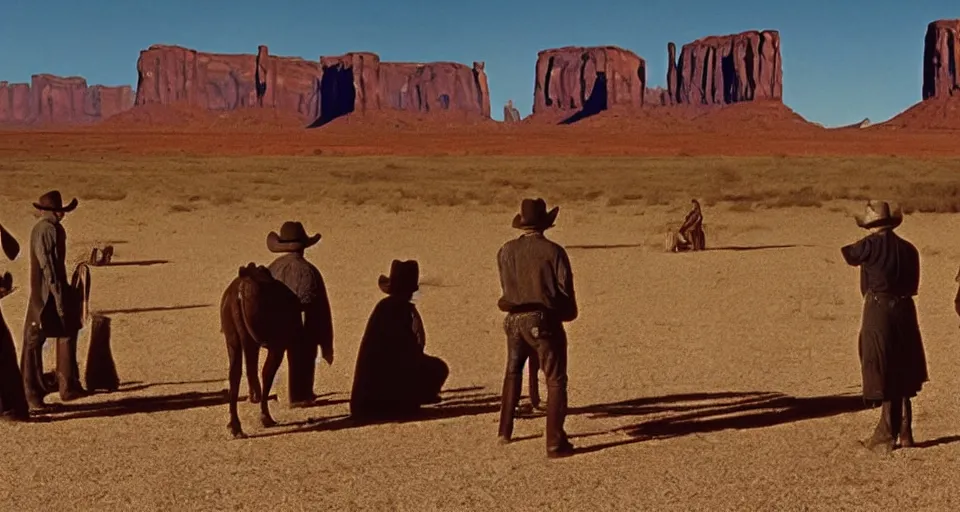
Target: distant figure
691 232
956 300
510 114
892 359
13 401
303 278
393 376
538 297
52 311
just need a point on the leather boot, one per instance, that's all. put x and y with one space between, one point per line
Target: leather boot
906 425
883 439
68 372
509 399
557 443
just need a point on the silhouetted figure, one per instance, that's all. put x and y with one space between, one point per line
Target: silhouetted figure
13 401
303 278
538 297
393 376
892 359
53 311
691 232
257 311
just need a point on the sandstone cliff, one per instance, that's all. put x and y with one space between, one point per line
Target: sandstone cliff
726 69
315 91
51 99
588 79
941 56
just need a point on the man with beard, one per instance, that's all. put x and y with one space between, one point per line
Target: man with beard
892 359
51 311
303 278
538 297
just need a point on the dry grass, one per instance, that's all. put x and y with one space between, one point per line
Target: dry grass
399 183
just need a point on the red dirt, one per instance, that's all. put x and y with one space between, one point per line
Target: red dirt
760 128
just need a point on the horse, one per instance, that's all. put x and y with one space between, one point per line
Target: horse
257 312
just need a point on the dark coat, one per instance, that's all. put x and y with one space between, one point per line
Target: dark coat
892 359
13 401
393 376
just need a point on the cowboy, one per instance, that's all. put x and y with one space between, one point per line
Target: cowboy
13 402
538 297
692 229
303 278
393 376
892 359
50 311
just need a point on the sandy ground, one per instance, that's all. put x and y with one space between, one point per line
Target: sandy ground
707 381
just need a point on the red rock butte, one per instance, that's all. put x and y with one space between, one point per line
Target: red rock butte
720 70
941 56
315 91
588 80
50 99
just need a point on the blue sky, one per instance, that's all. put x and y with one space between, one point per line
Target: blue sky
844 60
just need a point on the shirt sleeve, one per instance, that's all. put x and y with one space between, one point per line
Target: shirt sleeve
569 311
45 249
857 253
318 317
503 304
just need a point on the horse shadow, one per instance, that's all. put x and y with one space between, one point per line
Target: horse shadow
455 404
133 405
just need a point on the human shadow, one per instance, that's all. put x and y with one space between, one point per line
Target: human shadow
605 246
136 263
754 247
453 407
937 442
136 405
136 385
700 413
150 309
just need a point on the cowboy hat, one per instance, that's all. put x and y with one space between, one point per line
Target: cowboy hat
404 278
53 202
10 246
879 214
534 215
292 237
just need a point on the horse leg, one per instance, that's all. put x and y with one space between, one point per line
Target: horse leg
251 352
236 362
270 367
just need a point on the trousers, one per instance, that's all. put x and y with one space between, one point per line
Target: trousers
67 380
537 333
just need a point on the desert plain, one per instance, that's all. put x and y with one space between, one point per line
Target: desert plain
726 379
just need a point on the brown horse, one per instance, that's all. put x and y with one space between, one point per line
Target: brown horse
257 311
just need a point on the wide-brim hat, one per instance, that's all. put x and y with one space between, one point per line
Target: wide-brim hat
53 202
404 278
878 214
11 248
534 215
292 237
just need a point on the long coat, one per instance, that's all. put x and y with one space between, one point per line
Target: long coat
892 359
393 375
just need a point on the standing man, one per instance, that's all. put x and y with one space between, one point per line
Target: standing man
892 359
50 313
538 297
303 278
